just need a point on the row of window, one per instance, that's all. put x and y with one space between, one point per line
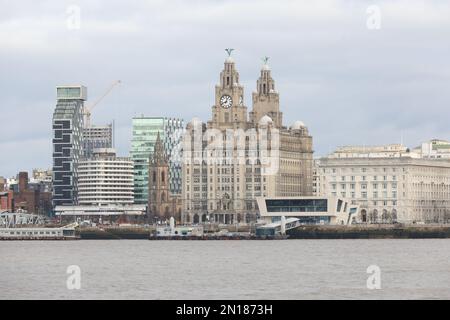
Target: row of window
334 170
365 178
343 186
364 195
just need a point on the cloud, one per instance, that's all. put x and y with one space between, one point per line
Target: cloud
349 84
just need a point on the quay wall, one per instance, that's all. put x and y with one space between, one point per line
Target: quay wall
137 233
303 232
371 232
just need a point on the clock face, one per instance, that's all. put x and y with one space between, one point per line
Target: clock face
226 101
241 101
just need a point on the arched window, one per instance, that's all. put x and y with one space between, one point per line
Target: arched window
154 177
163 177
166 212
163 197
374 216
394 216
363 215
385 216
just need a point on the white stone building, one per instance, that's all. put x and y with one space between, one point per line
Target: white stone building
388 182
238 156
105 178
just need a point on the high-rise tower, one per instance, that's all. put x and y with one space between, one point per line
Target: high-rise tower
67 142
145 131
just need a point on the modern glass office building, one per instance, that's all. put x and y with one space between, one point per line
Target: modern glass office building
308 209
145 131
67 142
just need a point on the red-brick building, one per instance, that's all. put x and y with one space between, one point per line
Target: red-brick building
31 200
6 200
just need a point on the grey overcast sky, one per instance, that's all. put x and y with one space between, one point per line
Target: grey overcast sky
350 84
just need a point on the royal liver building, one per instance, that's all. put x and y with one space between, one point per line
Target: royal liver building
235 158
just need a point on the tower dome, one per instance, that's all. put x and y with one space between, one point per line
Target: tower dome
298 125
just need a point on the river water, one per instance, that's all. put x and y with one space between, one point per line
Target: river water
278 269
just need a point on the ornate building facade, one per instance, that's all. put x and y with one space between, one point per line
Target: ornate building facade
162 204
231 160
389 183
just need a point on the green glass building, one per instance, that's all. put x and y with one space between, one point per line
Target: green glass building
145 131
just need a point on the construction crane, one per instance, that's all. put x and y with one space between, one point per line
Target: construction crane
88 109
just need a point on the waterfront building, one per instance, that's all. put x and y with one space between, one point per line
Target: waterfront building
389 183
145 132
31 197
232 160
67 142
6 200
309 209
97 137
434 149
162 204
104 178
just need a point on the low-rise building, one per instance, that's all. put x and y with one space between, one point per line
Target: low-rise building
308 209
6 201
29 197
103 213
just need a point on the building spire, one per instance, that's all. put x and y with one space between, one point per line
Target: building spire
265 83
159 154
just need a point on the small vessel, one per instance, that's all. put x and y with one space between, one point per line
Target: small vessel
173 231
277 230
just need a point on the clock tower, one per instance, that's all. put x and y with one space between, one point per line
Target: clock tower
229 110
266 100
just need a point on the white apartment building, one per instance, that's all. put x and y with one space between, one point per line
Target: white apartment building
388 182
105 179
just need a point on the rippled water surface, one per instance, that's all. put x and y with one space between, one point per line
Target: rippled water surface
280 269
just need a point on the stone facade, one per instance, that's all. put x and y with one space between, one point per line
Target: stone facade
231 160
399 187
